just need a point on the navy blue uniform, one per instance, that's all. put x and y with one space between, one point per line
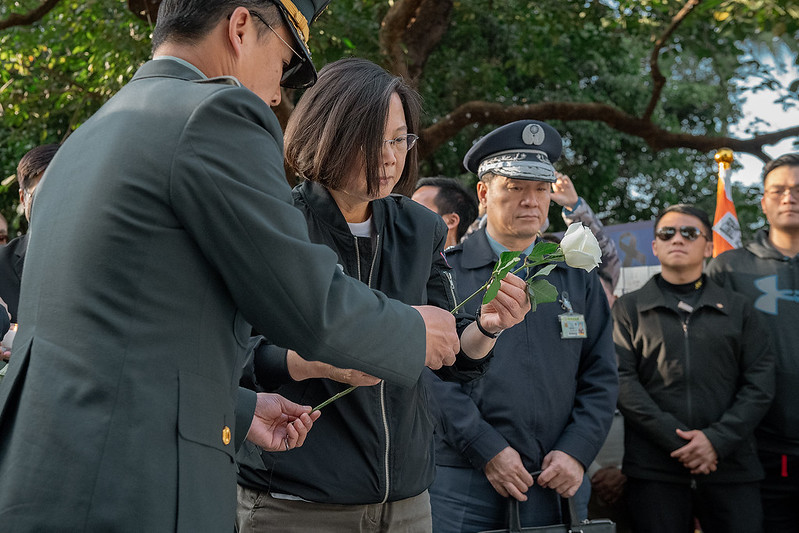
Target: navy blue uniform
542 392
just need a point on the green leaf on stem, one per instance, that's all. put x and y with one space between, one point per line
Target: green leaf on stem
505 264
541 291
543 249
544 271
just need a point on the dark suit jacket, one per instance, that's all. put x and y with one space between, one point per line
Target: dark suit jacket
162 229
12 257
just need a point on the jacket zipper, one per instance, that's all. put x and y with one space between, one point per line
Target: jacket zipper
382 383
383 409
689 402
448 275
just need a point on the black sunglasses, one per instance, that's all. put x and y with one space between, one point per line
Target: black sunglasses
690 233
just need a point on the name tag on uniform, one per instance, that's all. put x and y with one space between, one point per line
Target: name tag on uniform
572 326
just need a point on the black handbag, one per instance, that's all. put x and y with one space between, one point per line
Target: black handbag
573 525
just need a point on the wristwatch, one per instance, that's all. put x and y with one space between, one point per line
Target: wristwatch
482 329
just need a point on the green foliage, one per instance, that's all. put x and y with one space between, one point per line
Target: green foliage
55 73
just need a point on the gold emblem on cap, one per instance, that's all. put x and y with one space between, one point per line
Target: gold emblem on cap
533 134
225 435
298 19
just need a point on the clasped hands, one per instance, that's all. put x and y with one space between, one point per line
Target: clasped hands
698 455
509 477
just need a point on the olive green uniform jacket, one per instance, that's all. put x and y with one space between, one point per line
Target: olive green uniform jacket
163 228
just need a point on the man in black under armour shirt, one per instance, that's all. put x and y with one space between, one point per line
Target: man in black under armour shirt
696 375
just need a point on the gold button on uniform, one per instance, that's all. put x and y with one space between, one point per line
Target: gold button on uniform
226 435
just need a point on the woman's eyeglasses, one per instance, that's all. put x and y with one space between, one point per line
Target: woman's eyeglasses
403 143
689 233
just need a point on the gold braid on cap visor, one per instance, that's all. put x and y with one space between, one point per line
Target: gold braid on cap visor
298 19
529 164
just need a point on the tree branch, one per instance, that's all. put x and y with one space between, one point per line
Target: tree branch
424 34
147 10
657 138
392 31
409 32
658 80
15 19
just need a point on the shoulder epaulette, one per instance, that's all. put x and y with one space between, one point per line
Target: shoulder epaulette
224 80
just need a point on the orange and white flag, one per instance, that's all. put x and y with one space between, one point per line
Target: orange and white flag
726 229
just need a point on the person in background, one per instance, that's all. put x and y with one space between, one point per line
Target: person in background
3 230
371 455
451 200
766 272
163 232
12 256
547 400
576 209
605 472
5 322
696 376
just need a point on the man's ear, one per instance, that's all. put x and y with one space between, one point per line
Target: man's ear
708 248
452 220
237 28
482 192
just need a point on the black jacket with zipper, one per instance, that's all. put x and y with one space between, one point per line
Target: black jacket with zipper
713 371
375 444
770 280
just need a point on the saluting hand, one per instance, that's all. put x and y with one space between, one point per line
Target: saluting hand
563 191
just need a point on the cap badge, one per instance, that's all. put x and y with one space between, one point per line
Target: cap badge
533 134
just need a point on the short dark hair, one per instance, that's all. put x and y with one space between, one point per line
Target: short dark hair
33 163
689 209
186 21
453 197
791 160
344 113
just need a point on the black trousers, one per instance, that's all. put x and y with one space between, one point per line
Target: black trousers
780 492
661 507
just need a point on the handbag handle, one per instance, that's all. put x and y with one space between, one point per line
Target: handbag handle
515 523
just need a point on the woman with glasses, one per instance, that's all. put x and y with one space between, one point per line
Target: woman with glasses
369 463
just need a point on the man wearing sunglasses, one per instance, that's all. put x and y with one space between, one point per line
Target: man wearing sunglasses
696 375
163 232
766 271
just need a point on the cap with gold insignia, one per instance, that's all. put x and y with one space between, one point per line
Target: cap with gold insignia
523 150
299 15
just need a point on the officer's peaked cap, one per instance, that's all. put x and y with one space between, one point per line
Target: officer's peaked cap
299 15
524 150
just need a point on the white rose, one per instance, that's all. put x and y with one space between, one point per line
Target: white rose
580 248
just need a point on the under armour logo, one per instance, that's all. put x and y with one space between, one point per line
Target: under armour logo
771 295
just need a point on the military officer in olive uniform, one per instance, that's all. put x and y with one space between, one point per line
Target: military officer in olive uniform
162 229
